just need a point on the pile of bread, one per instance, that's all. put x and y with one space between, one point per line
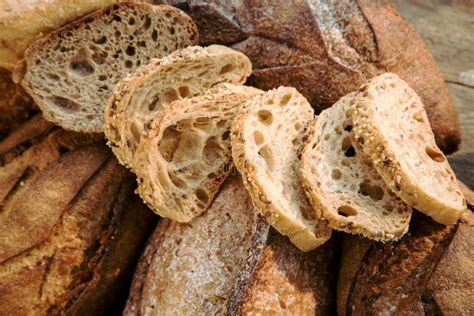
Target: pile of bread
224 161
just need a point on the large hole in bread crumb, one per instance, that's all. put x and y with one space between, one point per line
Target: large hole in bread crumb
347 147
336 174
203 123
434 154
65 103
170 95
285 99
258 137
212 150
373 191
169 142
226 68
184 92
135 132
202 195
81 68
266 153
346 211
265 117
154 103
178 182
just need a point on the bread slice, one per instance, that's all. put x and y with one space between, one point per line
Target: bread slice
391 124
184 73
187 156
190 268
71 73
342 184
267 138
228 261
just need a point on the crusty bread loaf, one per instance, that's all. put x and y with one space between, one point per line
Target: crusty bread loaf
71 225
187 156
229 261
267 138
189 268
71 73
327 49
342 184
391 124
184 73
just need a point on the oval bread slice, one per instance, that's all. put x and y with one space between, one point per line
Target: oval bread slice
342 184
187 155
391 124
72 72
184 73
267 138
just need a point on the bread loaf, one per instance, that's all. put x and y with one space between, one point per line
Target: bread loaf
72 72
71 225
327 49
228 261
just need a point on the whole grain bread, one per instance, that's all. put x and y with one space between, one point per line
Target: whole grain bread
342 184
71 72
267 139
71 226
185 73
229 261
327 49
187 155
429 272
391 125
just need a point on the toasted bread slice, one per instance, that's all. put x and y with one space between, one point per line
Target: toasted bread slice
72 72
186 156
342 184
267 138
184 73
391 124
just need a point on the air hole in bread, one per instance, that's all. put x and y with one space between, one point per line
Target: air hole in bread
266 153
172 30
221 124
169 142
152 106
418 117
65 103
101 40
170 95
298 126
327 136
434 154
348 128
346 162
296 141
146 23
388 207
184 92
212 150
346 211
117 18
225 135
81 68
52 76
285 99
99 57
259 138
102 77
154 35
202 195
203 123
177 181
265 117
131 21
135 131
226 68
130 51
128 64
336 174
373 191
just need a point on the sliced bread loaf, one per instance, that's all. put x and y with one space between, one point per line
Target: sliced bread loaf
267 138
186 156
71 73
184 73
391 124
342 184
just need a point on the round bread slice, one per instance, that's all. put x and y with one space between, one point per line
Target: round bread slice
267 138
187 155
185 73
72 72
392 126
342 184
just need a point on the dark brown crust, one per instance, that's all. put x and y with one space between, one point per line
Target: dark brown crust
55 175
286 47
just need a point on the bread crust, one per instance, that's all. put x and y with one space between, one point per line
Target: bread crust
285 40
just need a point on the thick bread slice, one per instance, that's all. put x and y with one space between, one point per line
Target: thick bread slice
342 184
187 155
391 124
71 73
185 73
189 269
267 138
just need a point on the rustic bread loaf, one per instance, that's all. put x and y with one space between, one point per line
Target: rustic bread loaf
327 49
229 261
391 124
71 73
429 272
185 73
71 225
187 155
16 105
342 184
267 138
